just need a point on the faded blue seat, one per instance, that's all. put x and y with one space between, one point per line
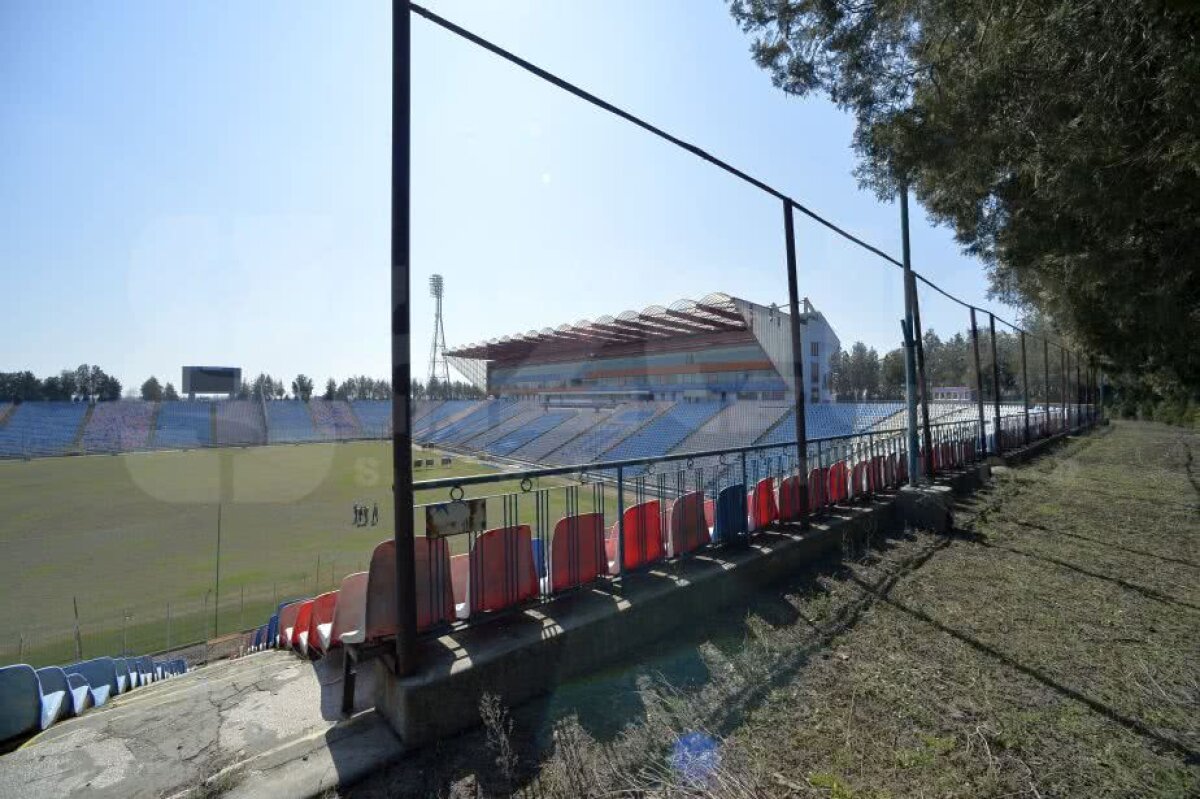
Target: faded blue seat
146 669
57 700
539 558
729 526
20 701
81 693
101 676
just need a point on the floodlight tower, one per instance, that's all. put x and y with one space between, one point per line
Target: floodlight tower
439 369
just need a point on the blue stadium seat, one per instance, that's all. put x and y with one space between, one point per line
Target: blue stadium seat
20 701
290 422
729 527
37 429
81 693
183 425
101 675
57 701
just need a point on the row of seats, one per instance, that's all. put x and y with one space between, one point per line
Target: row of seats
240 423
509 566
34 699
587 447
334 419
482 418
41 428
118 427
183 425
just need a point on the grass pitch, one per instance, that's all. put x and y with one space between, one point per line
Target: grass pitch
133 539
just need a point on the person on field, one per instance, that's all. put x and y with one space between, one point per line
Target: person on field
375 514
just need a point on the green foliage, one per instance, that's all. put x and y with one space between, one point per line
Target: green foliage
170 394
1060 140
302 387
152 390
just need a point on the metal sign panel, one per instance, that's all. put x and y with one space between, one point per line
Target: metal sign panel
458 516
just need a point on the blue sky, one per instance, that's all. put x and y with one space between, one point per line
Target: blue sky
208 183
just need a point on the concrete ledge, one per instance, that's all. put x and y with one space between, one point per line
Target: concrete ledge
523 655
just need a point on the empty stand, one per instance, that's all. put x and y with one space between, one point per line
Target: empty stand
588 446
484 417
536 450
289 422
37 429
543 423
240 423
664 433
121 426
334 420
375 416
183 425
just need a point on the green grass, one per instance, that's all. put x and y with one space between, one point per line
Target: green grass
127 535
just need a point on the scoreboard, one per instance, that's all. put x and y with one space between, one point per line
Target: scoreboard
211 379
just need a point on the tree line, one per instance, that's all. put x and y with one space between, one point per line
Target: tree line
862 374
89 383
84 383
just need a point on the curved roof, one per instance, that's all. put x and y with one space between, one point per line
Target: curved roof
713 313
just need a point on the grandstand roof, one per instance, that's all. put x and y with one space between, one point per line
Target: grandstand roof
714 313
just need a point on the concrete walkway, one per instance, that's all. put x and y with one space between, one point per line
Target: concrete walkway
263 725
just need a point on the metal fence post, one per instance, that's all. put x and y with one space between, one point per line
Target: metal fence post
995 384
402 490
620 520
797 359
1062 383
983 449
1046 378
1025 386
915 299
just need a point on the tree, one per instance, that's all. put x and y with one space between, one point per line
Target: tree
330 389
1058 139
170 394
302 387
109 389
152 390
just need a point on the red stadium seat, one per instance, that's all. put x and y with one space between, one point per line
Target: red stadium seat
790 509
299 637
643 536
710 513
435 600
858 476
761 505
350 613
321 622
498 573
577 553
287 624
687 528
837 483
818 484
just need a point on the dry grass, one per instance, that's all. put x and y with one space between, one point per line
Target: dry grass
1047 648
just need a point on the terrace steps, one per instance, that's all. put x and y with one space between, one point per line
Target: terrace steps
636 428
77 441
534 451
495 432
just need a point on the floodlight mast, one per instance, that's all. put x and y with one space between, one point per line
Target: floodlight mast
439 367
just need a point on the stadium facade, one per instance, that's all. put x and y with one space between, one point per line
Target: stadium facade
718 348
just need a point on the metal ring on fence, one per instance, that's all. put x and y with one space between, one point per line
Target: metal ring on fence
526 485
721 459
650 468
691 462
582 477
459 497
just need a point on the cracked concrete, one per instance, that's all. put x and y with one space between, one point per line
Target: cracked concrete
262 725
